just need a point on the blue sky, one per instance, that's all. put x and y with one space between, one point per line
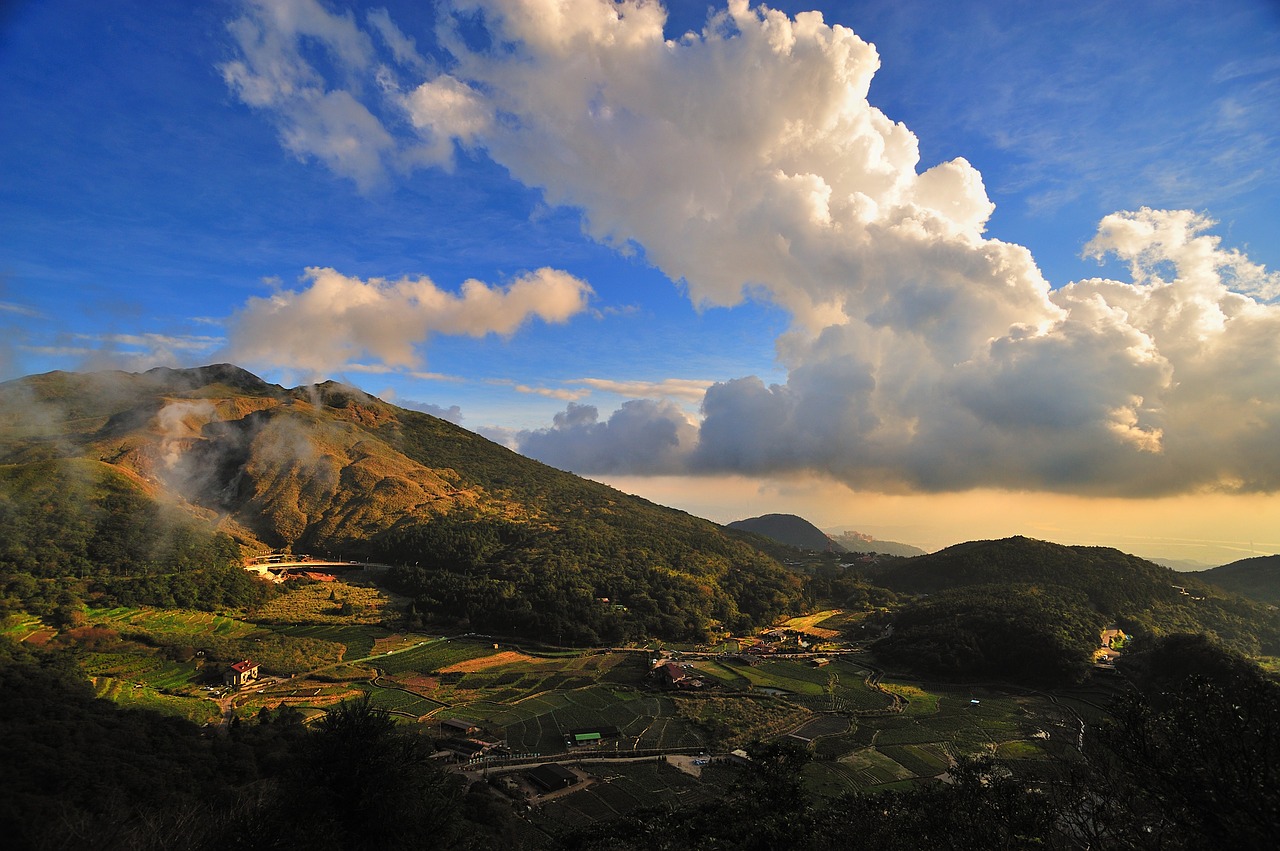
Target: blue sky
843 267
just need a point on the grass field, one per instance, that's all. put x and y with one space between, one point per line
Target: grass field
20 625
358 640
146 668
395 700
939 724
810 686
132 696
435 654
311 604
170 622
540 723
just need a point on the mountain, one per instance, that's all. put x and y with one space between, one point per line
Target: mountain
993 608
857 542
1257 578
484 536
788 529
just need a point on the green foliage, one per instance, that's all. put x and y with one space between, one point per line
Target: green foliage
359 782
1197 742
72 531
1257 578
1142 597
595 577
1021 633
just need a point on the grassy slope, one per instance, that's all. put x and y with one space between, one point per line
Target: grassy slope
328 469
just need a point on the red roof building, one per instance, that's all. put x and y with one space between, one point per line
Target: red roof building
241 673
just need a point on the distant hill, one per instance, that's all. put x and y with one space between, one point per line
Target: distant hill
857 542
790 530
1055 595
97 467
1182 565
1257 578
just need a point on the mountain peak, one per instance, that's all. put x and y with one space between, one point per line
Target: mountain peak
789 529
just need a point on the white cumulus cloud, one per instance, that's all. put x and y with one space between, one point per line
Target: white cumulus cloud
747 161
336 319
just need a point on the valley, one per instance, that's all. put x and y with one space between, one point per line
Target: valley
869 730
270 592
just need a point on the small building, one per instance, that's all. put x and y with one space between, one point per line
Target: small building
551 777
466 748
591 735
458 725
241 673
671 674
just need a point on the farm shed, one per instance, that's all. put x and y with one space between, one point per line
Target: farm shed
551 777
458 725
589 735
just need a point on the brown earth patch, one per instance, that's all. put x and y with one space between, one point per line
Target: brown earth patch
416 683
506 657
40 636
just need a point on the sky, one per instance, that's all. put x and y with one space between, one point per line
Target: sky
933 271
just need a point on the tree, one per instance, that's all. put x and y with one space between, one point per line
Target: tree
362 783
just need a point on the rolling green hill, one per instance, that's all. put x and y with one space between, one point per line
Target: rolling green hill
1256 578
790 530
484 537
984 603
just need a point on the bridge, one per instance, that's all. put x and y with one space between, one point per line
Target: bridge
279 563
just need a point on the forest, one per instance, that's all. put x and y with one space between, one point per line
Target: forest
78 531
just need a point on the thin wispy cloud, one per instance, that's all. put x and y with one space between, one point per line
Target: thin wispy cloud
684 389
21 310
551 392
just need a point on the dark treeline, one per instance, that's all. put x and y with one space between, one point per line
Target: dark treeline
1070 586
585 580
78 532
80 773
1021 633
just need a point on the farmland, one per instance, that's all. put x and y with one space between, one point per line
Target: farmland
865 731
620 788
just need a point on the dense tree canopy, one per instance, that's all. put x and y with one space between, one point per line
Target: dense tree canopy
1021 633
78 531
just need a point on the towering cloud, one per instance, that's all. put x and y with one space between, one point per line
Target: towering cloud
746 160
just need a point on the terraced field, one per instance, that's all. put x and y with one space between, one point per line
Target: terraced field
153 671
358 640
132 695
939 724
434 655
539 724
170 622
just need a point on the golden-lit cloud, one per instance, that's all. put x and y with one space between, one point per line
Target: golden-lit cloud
337 320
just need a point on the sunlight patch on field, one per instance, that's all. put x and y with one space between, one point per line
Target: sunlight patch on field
506 657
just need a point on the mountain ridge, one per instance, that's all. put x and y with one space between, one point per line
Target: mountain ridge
507 541
1257 578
